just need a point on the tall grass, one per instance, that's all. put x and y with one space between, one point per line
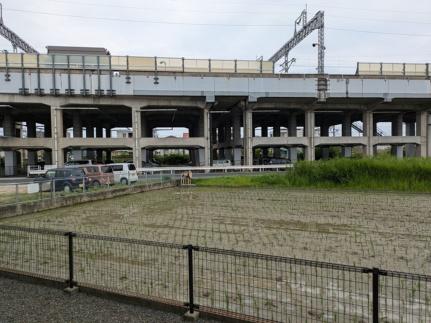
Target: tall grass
412 175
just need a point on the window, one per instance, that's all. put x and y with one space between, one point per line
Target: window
117 168
106 169
50 174
76 172
132 167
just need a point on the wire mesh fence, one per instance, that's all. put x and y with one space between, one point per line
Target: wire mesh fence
50 189
248 286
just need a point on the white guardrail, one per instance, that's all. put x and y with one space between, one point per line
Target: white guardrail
212 169
38 170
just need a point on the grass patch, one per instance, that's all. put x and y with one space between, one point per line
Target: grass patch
407 175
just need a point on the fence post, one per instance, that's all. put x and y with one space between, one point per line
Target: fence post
191 305
71 283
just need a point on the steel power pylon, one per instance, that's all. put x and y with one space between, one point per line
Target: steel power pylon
317 22
17 42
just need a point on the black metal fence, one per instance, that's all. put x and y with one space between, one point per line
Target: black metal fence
248 286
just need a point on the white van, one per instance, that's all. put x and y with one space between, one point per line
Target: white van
124 173
222 162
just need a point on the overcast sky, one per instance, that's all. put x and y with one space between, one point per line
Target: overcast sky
376 31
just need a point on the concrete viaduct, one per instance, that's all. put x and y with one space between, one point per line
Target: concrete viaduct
231 113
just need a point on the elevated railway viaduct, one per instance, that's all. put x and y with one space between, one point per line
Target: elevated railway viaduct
54 106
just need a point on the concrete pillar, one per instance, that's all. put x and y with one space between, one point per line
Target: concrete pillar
31 129
137 132
347 132
324 132
236 123
57 134
8 125
291 132
10 157
397 130
77 125
368 131
421 128
31 157
248 136
277 133
264 135
205 160
309 133
11 163
429 136
410 132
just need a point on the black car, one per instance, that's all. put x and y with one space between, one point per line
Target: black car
63 179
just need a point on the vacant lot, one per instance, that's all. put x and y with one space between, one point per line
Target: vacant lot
388 230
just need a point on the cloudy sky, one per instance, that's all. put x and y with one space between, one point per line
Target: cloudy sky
375 31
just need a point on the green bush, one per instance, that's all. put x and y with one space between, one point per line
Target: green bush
366 174
171 159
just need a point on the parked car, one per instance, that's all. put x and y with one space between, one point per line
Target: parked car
63 179
222 162
124 173
98 174
279 161
78 162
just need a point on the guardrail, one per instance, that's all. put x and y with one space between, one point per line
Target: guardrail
53 189
214 169
393 69
240 285
133 63
35 170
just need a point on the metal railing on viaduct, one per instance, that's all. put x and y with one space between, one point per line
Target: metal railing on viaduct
240 285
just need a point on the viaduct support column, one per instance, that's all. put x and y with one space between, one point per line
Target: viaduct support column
429 136
347 132
410 132
291 129
248 136
11 158
265 135
137 134
228 142
57 154
206 159
77 133
324 132
277 133
421 127
397 130
309 133
236 123
31 133
368 131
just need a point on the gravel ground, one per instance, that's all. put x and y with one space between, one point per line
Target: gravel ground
23 302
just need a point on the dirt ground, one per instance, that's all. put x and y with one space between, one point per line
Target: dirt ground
387 230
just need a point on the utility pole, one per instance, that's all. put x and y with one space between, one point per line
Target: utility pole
17 42
317 22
